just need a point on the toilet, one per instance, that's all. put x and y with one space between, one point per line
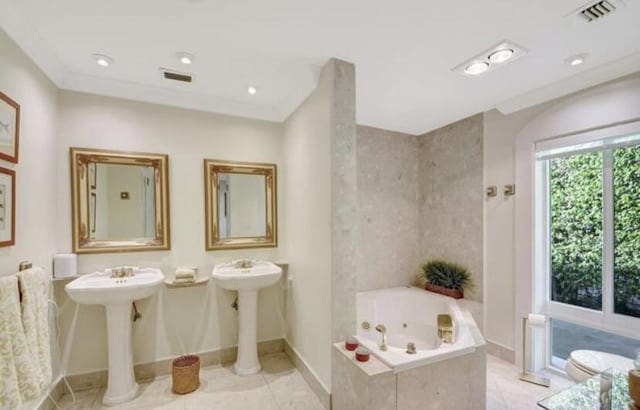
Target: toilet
583 364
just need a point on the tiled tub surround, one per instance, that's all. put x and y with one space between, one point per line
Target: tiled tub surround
451 197
451 379
410 316
387 208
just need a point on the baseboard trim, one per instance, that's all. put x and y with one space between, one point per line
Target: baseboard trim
55 393
148 371
501 351
309 375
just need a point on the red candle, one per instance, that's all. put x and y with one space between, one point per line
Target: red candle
362 354
351 343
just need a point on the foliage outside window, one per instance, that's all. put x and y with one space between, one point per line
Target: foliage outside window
576 190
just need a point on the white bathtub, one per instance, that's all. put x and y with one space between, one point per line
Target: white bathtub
410 315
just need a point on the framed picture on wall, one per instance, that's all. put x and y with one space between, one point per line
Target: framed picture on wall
9 128
7 207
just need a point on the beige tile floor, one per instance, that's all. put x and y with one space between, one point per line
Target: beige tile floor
505 391
281 387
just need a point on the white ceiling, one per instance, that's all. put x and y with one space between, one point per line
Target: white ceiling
404 52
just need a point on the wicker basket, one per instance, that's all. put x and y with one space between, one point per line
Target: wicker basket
186 374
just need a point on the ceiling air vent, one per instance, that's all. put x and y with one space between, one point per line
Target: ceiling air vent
176 76
596 10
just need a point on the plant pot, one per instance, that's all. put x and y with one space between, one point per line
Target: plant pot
452 293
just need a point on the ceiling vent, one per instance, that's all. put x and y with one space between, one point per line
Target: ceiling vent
176 76
596 11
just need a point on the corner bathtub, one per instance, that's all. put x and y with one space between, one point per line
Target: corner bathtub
410 315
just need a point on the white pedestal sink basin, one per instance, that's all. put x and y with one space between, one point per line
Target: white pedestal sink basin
247 278
117 295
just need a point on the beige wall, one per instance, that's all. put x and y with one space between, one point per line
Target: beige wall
176 321
36 189
387 208
567 114
499 220
307 177
451 196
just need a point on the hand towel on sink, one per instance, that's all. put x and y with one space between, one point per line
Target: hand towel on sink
185 273
35 285
184 280
19 380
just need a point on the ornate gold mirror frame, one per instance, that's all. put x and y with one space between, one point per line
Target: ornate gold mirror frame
80 201
213 240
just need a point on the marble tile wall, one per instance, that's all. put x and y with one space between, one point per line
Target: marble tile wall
361 386
387 208
457 383
451 197
344 206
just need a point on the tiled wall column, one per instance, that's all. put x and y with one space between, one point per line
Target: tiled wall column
344 199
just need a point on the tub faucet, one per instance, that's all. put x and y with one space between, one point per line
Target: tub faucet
383 329
446 328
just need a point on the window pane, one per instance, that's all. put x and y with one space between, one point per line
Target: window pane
567 337
626 206
575 189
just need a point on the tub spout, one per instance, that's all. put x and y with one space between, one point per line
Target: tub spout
383 329
446 328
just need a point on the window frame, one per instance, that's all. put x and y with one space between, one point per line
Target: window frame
606 319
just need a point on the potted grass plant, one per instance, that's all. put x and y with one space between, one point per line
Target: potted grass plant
446 278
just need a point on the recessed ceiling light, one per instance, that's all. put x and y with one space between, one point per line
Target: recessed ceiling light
577 59
252 90
477 67
500 56
185 58
102 60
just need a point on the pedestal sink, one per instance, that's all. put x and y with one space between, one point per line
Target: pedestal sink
247 276
117 294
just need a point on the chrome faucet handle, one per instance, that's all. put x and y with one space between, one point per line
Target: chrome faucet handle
383 329
411 348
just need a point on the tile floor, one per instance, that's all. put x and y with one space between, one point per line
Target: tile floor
278 387
505 391
281 387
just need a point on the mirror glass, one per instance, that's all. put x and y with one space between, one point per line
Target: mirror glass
120 201
240 204
243 210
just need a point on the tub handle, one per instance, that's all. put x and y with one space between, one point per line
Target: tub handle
411 348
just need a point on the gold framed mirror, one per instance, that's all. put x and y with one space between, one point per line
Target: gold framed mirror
240 205
119 201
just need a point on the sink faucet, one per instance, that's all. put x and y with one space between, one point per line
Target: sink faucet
244 264
383 329
122 272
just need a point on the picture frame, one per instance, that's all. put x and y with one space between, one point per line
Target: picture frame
7 207
9 128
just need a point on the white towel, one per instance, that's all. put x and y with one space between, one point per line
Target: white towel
185 273
35 285
19 379
184 280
